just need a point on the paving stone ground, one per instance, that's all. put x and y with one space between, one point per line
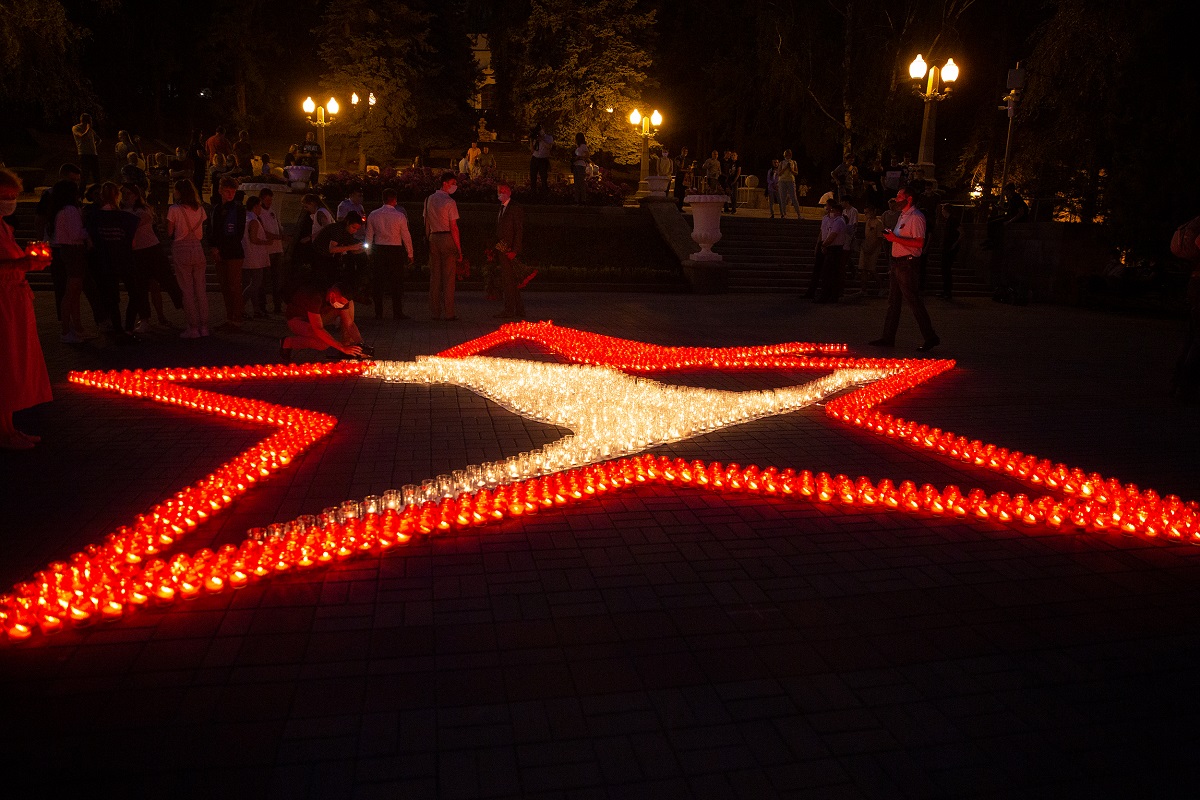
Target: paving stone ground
659 642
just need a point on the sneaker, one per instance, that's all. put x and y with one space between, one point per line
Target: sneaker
190 333
71 337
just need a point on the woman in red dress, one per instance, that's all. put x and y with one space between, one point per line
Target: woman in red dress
23 378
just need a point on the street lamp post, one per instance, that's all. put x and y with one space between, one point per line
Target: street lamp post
321 123
934 93
653 121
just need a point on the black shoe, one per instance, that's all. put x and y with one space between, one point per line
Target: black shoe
929 344
285 353
882 343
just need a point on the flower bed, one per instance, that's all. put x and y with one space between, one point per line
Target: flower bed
417 184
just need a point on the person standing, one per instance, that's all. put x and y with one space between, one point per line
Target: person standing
579 165
487 163
540 146
24 381
218 144
69 243
86 144
332 245
712 173
787 185
112 230
310 156
845 178
313 217
256 260
226 229
445 247
243 153
121 150
733 176
826 285
510 234
269 219
185 229
351 205
868 253
199 156
773 187
908 242
147 251
681 179
389 240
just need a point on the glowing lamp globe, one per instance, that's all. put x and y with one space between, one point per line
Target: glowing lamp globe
950 71
354 98
371 99
635 117
917 68
656 119
309 105
332 106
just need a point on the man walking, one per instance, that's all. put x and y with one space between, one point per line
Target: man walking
908 242
445 247
389 239
510 233
86 142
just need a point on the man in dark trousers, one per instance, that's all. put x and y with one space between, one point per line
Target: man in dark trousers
226 227
510 233
908 242
389 239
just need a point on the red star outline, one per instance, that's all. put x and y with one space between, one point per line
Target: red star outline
124 572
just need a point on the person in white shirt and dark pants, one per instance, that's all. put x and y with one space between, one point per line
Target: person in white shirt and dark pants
908 242
389 240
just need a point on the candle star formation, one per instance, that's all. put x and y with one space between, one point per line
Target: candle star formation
614 418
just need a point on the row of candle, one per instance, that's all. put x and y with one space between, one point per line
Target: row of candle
585 347
82 593
98 581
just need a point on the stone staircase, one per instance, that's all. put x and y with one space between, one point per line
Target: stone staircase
771 255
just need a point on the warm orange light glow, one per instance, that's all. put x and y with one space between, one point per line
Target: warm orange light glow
950 71
656 119
635 117
309 105
918 68
332 106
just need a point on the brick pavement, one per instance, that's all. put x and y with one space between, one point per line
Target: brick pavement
657 642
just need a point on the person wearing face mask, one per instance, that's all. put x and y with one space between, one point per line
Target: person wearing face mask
510 231
309 311
23 378
445 247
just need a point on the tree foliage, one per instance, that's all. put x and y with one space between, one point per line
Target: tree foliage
38 48
417 62
576 63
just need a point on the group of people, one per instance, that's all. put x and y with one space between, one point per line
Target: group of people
476 162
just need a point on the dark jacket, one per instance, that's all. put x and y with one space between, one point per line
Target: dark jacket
510 226
226 226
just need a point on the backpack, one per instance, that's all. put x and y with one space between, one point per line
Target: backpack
1184 242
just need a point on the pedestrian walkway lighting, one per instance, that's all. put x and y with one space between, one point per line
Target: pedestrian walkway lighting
654 120
354 98
320 123
936 90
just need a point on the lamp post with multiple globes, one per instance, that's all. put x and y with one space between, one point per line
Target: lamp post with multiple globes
354 98
936 90
321 123
648 125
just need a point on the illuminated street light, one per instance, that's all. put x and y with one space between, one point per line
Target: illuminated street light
936 90
320 123
654 120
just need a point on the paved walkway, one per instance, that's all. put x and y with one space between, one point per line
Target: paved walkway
660 642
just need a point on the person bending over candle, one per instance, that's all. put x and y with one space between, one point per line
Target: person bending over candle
309 311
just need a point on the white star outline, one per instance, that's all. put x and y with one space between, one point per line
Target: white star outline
610 414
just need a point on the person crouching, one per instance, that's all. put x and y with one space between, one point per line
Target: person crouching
309 311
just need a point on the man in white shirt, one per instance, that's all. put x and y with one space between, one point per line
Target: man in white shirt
826 285
269 220
388 239
445 247
908 242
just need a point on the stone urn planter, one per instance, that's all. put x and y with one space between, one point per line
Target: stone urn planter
706 223
658 184
298 176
